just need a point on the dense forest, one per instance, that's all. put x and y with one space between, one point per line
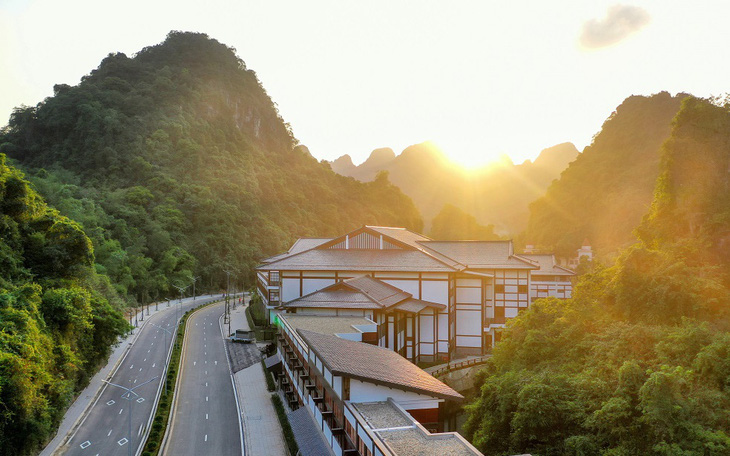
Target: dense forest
603 194
58 316
177 164
498 194
638 362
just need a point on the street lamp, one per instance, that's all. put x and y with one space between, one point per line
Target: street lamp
180 289
194 279
128 396
167 331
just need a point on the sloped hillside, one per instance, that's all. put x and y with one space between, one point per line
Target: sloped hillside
603 194
178 164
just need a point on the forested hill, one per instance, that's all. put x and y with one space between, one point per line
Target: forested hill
638 362
603 194
496 195
177 164
58 317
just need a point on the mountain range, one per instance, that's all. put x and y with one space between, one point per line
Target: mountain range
497 194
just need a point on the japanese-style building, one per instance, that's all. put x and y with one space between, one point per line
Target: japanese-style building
364 399
429 300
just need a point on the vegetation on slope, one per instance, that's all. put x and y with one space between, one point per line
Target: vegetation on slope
638 362
177 164
56 321
603 194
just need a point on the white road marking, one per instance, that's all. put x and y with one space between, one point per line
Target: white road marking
140 400
120 411
206 416
140 429
135 380
148 351
153 364
194 363
110 432
206 362
140 369
206 353
144 360
131 366
85 444
216 363
206 398
111 402
206 437
206 383
206 372
122 441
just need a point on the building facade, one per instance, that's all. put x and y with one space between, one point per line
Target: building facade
449 298
366 400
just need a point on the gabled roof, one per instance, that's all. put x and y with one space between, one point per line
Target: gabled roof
301 245
480 254
373 364
362 292
358 260
547 264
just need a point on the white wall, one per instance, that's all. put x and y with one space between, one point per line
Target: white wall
289 289
369 392
409 286
312 285
437 292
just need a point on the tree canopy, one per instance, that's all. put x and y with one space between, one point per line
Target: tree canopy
58 317
177 164
638 362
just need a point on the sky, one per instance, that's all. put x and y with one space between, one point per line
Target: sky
478 78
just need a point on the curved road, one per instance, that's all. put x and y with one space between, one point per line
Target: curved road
206 419
105 429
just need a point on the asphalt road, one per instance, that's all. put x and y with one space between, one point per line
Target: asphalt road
206 416
105 429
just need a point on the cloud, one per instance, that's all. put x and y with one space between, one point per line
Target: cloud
620 22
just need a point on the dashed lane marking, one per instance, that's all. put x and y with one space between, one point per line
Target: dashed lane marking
206 437
153 364
206 398
109 433
206 416
120 411
131 366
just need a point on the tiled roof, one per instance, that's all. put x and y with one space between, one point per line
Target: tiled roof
480 254
301 245
308 434
414 305
363 292
400 234
325 324
358 260
334 297
386 295
548 265
374 364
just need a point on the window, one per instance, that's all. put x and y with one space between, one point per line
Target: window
273 296
273 277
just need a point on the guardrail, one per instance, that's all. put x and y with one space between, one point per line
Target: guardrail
460 365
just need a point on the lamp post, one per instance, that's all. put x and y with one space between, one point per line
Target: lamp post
194 279
167 331
227 314
128 396
181 289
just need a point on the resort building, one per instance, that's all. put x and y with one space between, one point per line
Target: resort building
551 280
363 399
429 300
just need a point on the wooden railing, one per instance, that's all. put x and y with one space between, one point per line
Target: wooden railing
460 365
